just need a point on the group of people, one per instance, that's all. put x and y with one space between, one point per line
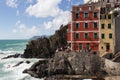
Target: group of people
64 48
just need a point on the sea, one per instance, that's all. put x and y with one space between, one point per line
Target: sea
7 69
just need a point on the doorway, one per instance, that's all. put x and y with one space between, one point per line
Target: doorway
107 46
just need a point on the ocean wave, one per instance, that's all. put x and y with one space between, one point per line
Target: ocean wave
17 44
10 51
15 73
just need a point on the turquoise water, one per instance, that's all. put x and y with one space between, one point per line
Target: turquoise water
7 71
12 45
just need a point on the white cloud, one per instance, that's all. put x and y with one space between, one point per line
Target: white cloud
25 31
85 1
63 18
17 23
14 31
12 3
44 8
50 8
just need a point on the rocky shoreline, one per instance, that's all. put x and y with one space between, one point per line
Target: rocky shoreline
62 64
71 63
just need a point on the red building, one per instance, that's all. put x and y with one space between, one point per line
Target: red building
83 30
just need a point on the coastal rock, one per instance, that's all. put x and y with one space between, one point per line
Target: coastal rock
38 69
112 68
13 56
76 63
71 63
18 64
45 47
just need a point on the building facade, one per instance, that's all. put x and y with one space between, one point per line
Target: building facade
94 27
106 34
108 26
83 31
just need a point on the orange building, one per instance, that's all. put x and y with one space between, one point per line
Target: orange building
83 30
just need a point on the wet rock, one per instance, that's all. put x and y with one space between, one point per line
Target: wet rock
33 74
13 56
28 62
18 64
25 71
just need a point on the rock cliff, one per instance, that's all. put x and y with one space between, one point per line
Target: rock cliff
45 47
64 63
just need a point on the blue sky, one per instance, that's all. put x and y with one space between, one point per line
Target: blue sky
22 19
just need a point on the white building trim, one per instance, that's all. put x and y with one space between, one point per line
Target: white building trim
84 41
86 31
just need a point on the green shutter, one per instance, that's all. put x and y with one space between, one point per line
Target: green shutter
109 16
95 14
95 35
86 15
77 25
110 35
102 36
102 26
95 25
109 26
86 35
86 25
77 35
77 15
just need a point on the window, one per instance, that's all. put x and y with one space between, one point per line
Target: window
77 15
86 15
108 1
88 46
95 24
77 25
110 35
102 36
109 26
86 35
77 35
108 9
80 46
109 16
77 8
95 14
102 16
95 35
102 26
86 25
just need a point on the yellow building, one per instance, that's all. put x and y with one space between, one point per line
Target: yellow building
106 34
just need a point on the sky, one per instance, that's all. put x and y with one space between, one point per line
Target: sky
23 19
